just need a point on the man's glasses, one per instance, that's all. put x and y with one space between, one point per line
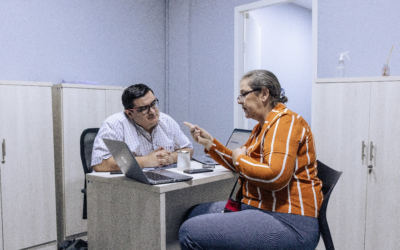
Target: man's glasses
146 109
241 97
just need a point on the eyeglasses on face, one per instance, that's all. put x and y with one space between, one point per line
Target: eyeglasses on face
146 109
241 97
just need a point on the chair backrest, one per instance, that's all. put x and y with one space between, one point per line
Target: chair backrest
329 179
86 142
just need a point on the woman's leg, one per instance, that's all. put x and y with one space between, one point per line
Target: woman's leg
208 228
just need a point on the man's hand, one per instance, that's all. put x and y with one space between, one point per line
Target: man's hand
200 135
164 157
158 158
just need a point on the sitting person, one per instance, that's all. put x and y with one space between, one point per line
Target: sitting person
281 193
153 137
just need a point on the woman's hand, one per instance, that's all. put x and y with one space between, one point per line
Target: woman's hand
200 135
237 152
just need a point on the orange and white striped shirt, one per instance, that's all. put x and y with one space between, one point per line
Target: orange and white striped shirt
279 172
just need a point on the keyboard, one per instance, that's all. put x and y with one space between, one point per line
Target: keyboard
155 176
168 166
197 170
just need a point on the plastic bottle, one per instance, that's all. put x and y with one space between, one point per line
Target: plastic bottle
341 70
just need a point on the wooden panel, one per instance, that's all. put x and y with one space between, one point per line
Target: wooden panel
27 177
341 116
383 216
116 223
114 102
82 108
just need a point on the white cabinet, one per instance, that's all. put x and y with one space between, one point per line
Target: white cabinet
28 207
75 108
363 209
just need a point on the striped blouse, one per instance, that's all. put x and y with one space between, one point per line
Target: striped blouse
279 172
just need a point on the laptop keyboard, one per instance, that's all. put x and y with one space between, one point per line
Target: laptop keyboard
156 176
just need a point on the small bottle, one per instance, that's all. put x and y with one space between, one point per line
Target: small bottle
341 70
385 70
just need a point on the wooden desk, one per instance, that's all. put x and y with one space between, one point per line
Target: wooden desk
126 214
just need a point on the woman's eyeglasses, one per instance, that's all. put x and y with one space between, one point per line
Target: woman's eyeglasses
241 97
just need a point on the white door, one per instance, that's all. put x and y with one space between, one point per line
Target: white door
252 53
383 216
27 176
341 118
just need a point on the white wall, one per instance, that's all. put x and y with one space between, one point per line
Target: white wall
368 29
201 66
118 42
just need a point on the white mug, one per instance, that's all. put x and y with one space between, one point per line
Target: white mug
183 160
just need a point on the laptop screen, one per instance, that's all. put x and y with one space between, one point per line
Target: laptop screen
238 138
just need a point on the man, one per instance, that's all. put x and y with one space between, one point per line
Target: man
153 137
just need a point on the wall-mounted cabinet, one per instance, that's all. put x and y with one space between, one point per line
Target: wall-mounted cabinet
356 124
75 108
28 206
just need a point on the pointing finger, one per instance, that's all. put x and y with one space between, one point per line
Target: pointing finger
189 125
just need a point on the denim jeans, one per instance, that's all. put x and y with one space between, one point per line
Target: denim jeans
207 228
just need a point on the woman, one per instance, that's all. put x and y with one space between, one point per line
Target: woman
278 173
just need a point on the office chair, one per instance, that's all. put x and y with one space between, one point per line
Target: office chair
329 179
86 142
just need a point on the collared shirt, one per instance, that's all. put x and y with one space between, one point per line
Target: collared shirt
166 134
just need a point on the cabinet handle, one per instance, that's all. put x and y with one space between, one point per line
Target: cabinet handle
371 151
3 150
362 150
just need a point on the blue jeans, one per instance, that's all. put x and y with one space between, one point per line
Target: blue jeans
207 228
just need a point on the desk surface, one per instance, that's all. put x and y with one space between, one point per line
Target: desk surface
219 173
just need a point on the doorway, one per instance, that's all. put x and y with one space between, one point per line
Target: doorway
276 35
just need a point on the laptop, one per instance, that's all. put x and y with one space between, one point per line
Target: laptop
131 169
238 138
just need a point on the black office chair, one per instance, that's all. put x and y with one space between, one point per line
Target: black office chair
86 142
329 179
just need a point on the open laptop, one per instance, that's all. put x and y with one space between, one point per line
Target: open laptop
238 138
131 169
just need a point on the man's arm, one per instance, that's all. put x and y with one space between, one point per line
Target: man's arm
173 157
156 158
150 160
107 165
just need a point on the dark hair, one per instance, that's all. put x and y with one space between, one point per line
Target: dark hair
264 78
133 92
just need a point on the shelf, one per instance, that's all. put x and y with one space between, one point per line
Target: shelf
358 79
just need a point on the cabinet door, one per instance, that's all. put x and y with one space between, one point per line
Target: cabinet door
27 176
1 141
340 124
383 216
82 108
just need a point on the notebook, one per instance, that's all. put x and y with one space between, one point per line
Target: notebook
131 169
238 138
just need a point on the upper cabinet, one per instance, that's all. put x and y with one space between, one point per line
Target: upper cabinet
28 207
356 124
76 108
